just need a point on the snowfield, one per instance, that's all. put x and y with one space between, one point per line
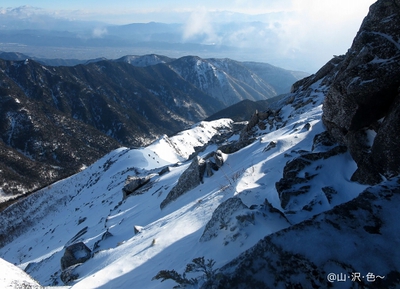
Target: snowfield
87 205
13 277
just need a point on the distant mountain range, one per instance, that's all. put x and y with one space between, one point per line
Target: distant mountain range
43 34
306 194
57 119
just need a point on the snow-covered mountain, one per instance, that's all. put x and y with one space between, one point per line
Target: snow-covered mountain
145 60
90 207
56 119
226 80
272 203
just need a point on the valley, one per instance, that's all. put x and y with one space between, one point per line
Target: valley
277 188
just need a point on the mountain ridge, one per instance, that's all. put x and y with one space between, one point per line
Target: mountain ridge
272 205
116 102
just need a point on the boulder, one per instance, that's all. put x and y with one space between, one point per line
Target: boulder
137 229
210 167
164 171
219 158
190 178
271 145
75 254
235 146
133 183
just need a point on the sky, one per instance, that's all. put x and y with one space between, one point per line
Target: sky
317 28
120 11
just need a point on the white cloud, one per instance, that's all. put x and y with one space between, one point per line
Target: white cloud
99 32
199 23
319 29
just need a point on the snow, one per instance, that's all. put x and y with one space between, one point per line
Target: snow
13 277
169 238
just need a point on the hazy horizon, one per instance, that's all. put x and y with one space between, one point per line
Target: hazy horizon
303 35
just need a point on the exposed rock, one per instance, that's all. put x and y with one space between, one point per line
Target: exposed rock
385 149
189 179
329 192
77 237
292 184
323 140
232 220
75 254
365 89
209 168
69 275
133 183
223 218
267 207
219 158
268 119
235 146
324 73
164 171
105 236
288 259
197 150
137 229
214 161
270 146
307 126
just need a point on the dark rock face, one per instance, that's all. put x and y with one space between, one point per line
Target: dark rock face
385 154
69 275
75 254
189 179
365 90
219 159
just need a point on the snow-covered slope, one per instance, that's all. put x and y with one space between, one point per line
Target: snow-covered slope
13 277
272 205
89 206
224 79
145 60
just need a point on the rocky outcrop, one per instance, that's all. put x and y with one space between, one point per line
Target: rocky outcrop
364 95
269 119
190 178
223 218
75 254
69 274
289 259
219 158
194 174
298 172
133 183
231 220
105 236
